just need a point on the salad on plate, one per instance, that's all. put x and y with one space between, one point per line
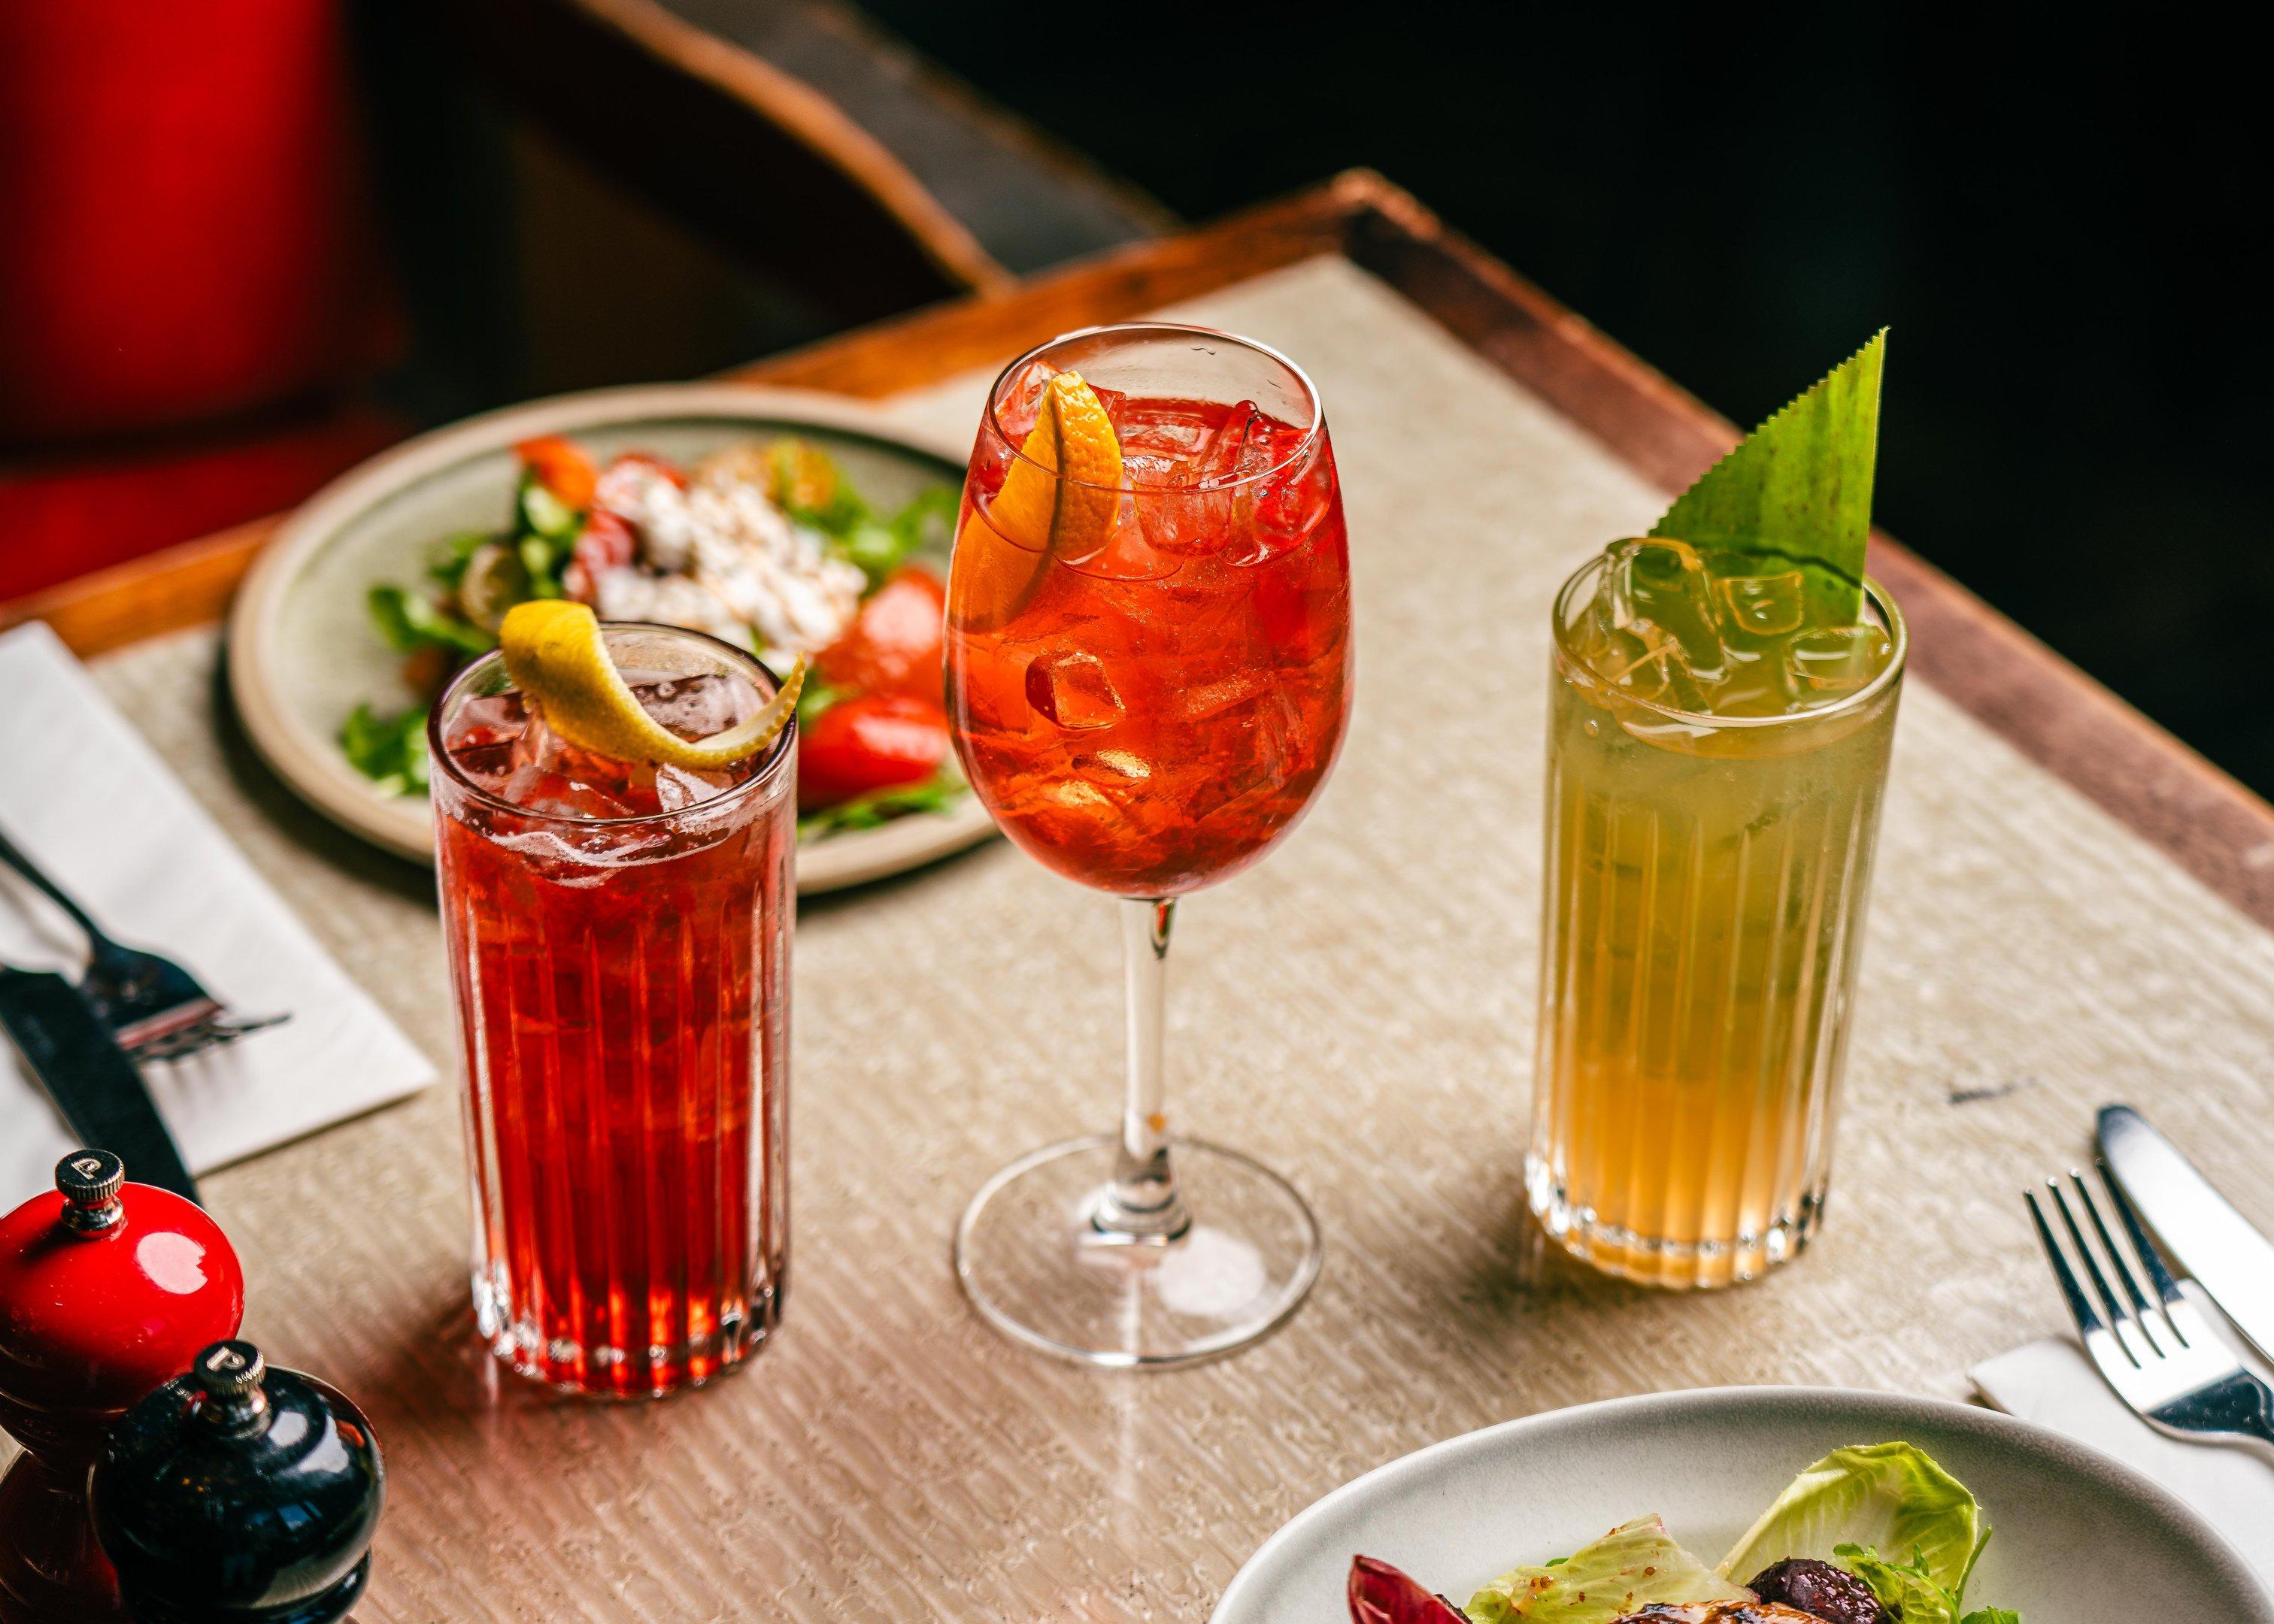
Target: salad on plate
763 544
1872 1534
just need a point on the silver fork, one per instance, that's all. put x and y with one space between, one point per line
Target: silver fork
2163 1359
155 1008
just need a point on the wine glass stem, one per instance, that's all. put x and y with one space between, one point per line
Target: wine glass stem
1142 1203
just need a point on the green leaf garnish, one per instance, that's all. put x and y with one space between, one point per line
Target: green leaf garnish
1799 487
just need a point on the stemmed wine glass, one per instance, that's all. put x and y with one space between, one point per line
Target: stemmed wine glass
1149 670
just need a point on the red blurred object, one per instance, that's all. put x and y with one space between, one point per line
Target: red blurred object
187 234
186 239
606 542
106 1292
1381 1594
877 742
897 642
68 517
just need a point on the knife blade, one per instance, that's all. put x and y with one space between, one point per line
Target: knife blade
2228 1256
72 1052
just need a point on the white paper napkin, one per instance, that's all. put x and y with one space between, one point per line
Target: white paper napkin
2054 1383
86 798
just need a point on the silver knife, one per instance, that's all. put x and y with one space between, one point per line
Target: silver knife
2225 1253
71 1050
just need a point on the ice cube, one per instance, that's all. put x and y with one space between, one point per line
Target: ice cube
1765 606
1836 660
1754 683
535 744
695 707
1661 675
1019 401
1184 524
1662 587
1164 436
538 789
491 716
1197 704
677 788
1152 470
1185 504
1070 688
1237 449
1123 764
1287 506
1130 553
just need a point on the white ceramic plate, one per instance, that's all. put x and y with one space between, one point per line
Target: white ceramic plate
303 652
2080 1539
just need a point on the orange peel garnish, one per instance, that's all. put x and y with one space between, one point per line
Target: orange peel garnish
1061 499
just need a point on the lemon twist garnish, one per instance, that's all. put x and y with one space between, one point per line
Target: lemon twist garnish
1061 499
553 650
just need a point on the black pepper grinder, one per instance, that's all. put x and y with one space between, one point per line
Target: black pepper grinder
238 1494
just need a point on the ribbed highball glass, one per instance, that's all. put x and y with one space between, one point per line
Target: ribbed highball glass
1702 918
621 984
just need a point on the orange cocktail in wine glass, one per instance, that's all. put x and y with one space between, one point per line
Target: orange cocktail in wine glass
1149 664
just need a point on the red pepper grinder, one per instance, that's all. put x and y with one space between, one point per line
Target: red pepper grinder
106 1290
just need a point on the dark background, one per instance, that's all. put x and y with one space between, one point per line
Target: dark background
2058 217
2055 217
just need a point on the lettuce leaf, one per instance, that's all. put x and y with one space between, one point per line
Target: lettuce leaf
937 793
411 621
389 750
1887 1496
1904 1588
1629 1568
1906 1592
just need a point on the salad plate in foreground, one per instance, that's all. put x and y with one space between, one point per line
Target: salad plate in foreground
785 522
1775 1505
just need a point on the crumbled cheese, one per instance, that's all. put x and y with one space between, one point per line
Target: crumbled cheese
719 557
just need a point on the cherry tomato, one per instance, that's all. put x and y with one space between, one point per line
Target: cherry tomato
876 741
561 467
895 644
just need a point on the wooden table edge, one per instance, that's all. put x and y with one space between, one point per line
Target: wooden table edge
2214 827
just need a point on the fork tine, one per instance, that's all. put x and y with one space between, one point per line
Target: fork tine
211 1031
2080 1307
2117 1316
2151 1256
2116 1260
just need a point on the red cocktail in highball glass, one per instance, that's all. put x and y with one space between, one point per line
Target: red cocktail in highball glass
618 936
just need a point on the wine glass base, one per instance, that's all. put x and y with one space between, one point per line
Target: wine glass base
1033 1263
